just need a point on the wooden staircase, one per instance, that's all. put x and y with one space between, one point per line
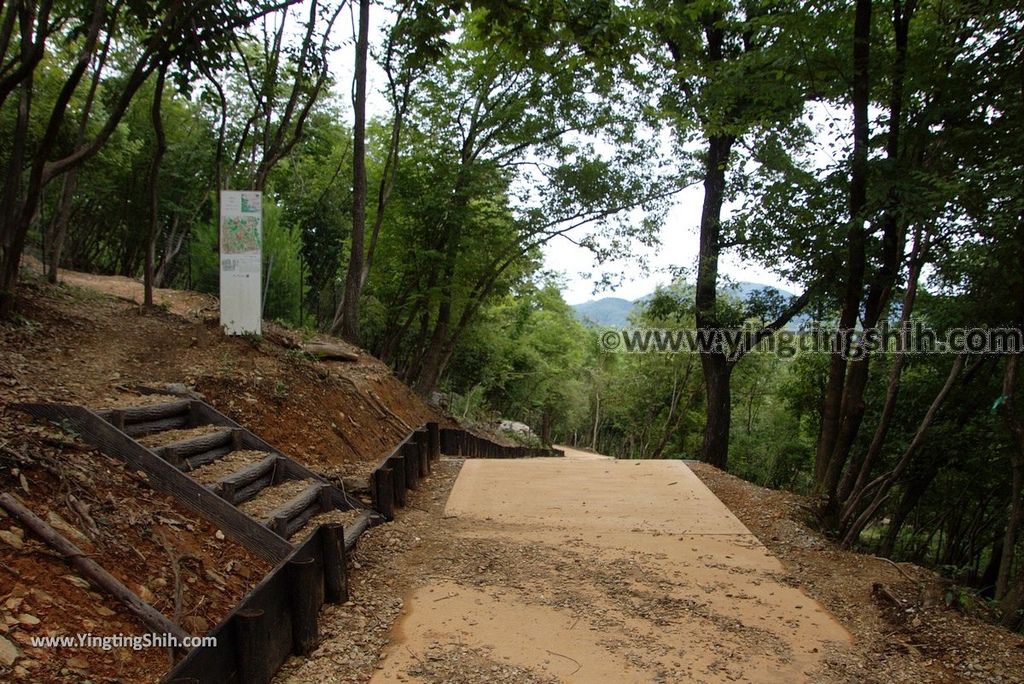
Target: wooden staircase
255 493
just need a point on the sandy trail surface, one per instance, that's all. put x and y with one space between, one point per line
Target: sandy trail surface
597 570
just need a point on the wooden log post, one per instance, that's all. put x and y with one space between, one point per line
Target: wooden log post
434 441
384 493
398 478
335 563
423 451
304 605
173 456
149 616
412 465
252 634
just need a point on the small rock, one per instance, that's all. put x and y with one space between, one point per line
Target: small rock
8 652
27 619
144 593
77 581
11 539
61 525
219 535
78 663
195 624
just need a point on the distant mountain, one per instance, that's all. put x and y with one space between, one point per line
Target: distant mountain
614 312
607 311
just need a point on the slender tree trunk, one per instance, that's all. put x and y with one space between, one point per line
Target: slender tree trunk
675 412
173 241
154 184
1016 515
59 226
347 320
883 485
826 472
852 404
856 477
13 238
387 181
1007 409
58 231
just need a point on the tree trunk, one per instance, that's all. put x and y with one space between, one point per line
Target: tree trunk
714 362
882 485
852 405
59 226
856 477
13 237
154 185
1016 516
347 320
717 373
826 475
173 241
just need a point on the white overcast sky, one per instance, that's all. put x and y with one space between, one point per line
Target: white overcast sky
679 234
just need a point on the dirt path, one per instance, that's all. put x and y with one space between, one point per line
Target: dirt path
587 569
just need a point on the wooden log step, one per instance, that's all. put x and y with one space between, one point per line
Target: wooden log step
205 458
251 490
188 454
210 474
151 426
292 526
197 445
356 529
304 506
146 413
357 486
229 486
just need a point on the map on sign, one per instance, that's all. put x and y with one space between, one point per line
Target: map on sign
241 234
241 247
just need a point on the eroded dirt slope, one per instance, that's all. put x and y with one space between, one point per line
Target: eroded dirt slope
82 346
94 347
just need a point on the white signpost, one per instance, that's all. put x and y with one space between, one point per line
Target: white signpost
241 254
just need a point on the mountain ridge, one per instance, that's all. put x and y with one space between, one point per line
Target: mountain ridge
614 311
